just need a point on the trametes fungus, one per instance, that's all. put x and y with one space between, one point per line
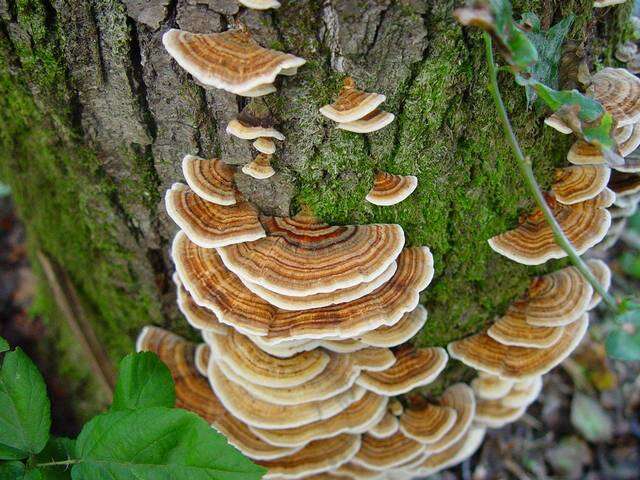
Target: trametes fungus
580 183
260 4
387 453
603 274
357 111
458 452
197 316
389 189
426 422
265 145
618 90
405 329
247 128
627 139
231 60
490 387
260 168
607 3
387 426
496 413
210 179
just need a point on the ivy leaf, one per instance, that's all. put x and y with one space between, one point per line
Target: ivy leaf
58 449
25 410
143 381
4 345
549 47
622 345
157 443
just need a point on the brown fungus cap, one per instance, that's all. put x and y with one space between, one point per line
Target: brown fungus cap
618 90
214 287
209 224
532 243
265 145
244 130
410 324
455 454
230 60
301 256
387 426
385 453
482 352
495 414
427 423
584 153
316 457
260 168
603 274
459 397
352 104
490 387
513 329
201 359
371 122
359 417
389 189
555 122
413 368
197 316
354 471
523 393
579 183
624 184
260 4
211 179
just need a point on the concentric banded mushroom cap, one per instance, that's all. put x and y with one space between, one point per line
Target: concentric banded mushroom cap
495 414
455 454
230 60
353 471
318 300
359 417
260 168
241 128
260 4
579 183
301 256
403 330
427 423
385 453
602 273
265 145
214 287
460 398
624 184
316 457
555 299
583 153
211 179
523 394
490 387
352 104
555 122
618 90
259 368
209 224
260 90
389 189
371 122
387 426
197 316
513 329
531 243
259 413
413 368
482 352
202 358
607 3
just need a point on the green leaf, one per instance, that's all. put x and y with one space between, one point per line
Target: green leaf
157 443
58 449
143 381
517 49
623 346
590 419
25 411
587 109
4 345
8 453
11 470
35 474
630 263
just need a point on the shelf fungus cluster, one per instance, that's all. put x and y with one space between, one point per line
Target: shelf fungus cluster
389 189
357 111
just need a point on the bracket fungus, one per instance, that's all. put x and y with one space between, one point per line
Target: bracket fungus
427 423
245 129
260 4
387 426
618 90
490 387
453 455
260 168
577 184
210 179
410 324
264 145
231 60
389 189
371 122
387 453
197 316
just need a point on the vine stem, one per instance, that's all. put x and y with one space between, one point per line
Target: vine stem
59 463
527 172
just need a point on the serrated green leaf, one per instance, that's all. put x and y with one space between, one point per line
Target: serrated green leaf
58 449
157 443
4 345
25 410
623 346
11 470
143 381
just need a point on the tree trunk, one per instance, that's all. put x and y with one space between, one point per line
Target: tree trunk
95 118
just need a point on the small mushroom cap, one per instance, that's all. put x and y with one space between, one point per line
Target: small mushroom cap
260 168
265 145
386 453
260 4
211 225
607 3
256 367
584 153
460 398
386 427
624 184
259 413
532 243
427 423
602 273
352 104
579 183
202 358
413 368
513 329
523 394
197 316
482 352
359 417
354 471
316 457
618 90
246 131
395 407
490 387
260 90
494 414
214 287
211 179
318 300
455 454
301 256
230 60
371 122
389 189
410 324
555 122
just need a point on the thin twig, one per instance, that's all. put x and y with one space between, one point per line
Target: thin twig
527 172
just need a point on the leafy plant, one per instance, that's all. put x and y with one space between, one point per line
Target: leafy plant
141 437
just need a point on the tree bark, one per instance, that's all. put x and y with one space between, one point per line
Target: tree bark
95 118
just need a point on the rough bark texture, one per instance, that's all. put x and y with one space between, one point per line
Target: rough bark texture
95 118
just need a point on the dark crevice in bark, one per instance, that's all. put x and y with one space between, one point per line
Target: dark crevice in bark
381 19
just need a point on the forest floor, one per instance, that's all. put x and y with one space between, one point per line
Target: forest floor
586 424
